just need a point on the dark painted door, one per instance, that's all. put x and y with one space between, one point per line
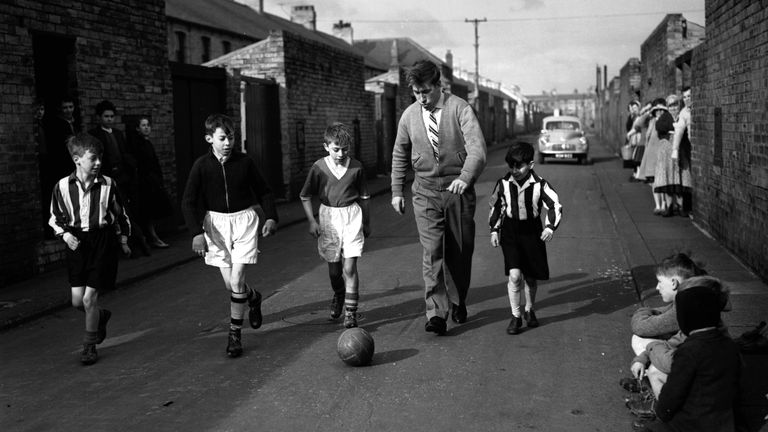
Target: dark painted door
262 130
198 91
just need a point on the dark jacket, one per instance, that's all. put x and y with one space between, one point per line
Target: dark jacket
230 187
702 387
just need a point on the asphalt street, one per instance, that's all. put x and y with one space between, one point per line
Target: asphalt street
163 365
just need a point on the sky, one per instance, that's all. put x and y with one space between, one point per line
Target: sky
538 45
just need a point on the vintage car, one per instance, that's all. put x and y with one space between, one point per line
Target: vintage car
562 137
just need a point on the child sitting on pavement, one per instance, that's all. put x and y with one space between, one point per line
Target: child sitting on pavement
515 220
702 387
340 184
659 324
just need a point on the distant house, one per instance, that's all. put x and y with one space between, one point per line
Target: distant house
294 81
494 108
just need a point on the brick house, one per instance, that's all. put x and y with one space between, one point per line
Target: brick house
89 49
672 37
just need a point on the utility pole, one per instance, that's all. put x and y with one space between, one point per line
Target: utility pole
476 102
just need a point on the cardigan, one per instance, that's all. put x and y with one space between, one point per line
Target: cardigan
461 147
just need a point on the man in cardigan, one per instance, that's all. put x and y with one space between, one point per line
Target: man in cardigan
440 136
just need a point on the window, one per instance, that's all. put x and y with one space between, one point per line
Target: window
181 47
562 125
206 42
226 46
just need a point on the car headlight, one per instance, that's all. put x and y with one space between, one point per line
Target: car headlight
582 140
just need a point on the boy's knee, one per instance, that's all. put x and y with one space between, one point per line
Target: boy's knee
89 302
516 279
77 303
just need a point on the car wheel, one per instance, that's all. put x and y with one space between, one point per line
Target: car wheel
541 159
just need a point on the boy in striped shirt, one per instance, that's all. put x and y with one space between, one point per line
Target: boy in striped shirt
88 215
515 219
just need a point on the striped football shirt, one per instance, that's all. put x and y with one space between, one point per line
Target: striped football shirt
74 208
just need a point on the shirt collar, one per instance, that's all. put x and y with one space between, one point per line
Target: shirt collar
219 157
106 130
438 105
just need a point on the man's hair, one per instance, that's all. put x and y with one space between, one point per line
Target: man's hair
105 105
519 151
78 144
685 89
634 102
215 121
423 72
680 265
338 133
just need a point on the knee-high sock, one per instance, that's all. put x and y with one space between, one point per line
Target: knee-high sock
530 296
350 300
237 306
514 298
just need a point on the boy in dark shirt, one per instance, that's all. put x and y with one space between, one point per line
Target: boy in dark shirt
339 182
223 188
92 241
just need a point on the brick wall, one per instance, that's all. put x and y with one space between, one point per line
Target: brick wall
319 85
730 128
120 54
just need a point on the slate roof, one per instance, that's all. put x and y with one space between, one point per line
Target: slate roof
408 51
227 15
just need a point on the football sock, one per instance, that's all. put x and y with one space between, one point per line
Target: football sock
337 280
90 337
350 301
237 306
514 299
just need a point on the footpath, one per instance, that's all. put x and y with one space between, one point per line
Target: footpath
646 239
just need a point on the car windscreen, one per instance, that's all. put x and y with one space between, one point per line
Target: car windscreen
562 125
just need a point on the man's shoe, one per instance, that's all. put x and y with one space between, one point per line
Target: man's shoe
459 313
254 309
350 319
515 325
436 325
235 345
104 315
89 354
530 318
337 304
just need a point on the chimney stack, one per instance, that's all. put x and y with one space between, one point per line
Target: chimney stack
343 31
304 15
449 59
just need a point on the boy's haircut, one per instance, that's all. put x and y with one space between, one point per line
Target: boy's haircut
699 304
67 98
519 151
215 121
105 105
338 133
680 265
423 72
634 102
83 142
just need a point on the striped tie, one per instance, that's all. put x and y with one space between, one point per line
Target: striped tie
432 133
